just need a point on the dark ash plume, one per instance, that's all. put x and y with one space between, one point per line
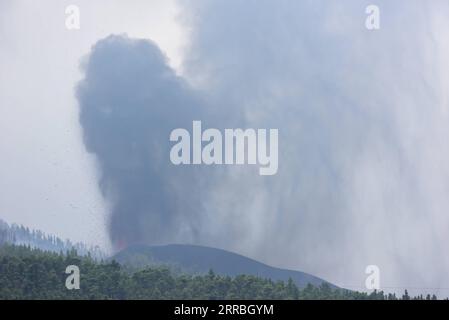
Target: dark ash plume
130 100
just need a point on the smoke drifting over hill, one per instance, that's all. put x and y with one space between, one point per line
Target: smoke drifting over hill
363 119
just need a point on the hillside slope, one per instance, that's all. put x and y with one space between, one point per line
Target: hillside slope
199 259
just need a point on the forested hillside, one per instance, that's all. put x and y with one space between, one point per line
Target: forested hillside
196 259
27 273
20 235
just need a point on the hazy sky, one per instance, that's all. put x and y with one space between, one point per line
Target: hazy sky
48 181
362 116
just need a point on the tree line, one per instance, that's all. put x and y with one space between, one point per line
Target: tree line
29 273
21 235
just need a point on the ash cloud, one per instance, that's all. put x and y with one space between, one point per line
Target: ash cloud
130 100
363 124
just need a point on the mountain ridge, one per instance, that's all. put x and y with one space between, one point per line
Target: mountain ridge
201 259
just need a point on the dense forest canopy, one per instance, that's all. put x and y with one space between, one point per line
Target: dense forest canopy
29 273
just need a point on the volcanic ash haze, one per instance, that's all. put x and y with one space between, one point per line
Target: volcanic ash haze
363 124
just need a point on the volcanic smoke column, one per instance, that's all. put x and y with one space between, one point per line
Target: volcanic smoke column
130 101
